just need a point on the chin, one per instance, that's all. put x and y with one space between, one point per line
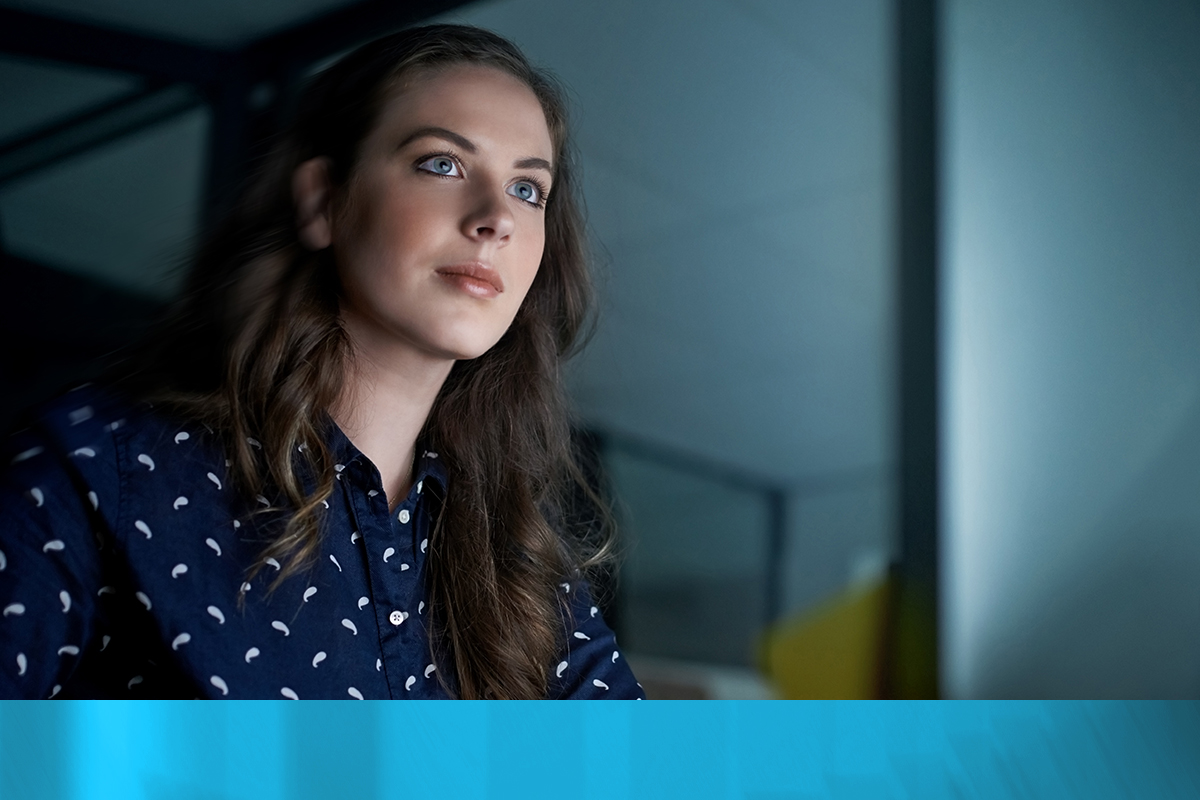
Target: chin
467 348
476 352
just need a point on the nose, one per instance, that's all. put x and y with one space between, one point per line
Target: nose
490 218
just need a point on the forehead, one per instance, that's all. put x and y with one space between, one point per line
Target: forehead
493 109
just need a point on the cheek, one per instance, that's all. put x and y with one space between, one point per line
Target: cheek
531 256
399 226
373 249
377 216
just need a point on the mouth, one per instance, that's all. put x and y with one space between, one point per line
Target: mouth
473 277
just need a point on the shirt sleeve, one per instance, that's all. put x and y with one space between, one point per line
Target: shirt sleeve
592 666
49 567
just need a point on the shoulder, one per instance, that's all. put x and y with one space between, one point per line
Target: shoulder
65 435
591 665
82 443
77 420
81 427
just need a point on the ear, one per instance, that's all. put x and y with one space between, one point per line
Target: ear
313 194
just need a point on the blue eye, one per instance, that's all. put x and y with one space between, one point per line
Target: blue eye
524 190
440 165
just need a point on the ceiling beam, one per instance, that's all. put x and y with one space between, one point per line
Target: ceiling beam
226 78
23 33
92 128
340 29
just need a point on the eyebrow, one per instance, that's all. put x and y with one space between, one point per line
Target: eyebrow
534 163
466 144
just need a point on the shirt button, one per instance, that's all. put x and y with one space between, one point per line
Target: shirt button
403 517
396 617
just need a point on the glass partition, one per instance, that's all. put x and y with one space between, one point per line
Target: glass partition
693 586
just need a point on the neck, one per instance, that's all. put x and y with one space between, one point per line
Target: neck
389 389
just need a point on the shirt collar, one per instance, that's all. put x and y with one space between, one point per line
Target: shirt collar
430 465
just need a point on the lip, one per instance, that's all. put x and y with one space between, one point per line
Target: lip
474 278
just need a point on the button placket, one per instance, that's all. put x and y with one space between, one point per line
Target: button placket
396 584
404 525
374 523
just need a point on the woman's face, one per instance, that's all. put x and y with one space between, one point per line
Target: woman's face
440 229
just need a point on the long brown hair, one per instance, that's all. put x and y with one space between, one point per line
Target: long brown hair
256 350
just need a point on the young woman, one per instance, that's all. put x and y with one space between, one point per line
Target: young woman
347 469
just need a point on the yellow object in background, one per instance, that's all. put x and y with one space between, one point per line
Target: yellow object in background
835 651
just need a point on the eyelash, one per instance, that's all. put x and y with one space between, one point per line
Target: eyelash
543 194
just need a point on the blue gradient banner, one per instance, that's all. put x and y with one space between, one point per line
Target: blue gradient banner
746 750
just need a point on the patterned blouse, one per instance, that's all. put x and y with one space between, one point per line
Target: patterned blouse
123 562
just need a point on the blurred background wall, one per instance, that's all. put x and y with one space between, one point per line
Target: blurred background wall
1072 349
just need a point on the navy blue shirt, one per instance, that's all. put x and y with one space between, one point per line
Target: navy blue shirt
124 551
